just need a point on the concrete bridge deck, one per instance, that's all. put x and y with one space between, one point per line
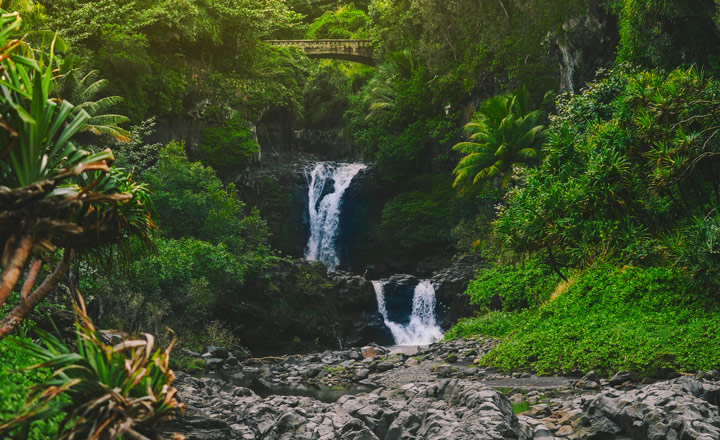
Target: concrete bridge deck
360 51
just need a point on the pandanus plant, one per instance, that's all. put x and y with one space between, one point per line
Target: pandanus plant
52 193
105 391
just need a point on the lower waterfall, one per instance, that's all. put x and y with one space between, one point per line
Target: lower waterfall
422 328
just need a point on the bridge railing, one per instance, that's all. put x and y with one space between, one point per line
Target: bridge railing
321 43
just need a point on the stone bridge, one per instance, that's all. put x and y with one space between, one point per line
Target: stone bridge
360 51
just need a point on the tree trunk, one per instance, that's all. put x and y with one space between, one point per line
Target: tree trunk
553 264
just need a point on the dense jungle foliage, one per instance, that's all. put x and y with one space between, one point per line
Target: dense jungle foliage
591 190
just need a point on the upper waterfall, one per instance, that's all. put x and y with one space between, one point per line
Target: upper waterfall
422 328
324 209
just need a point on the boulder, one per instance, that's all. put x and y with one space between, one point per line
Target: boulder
373 351
217 352
621 377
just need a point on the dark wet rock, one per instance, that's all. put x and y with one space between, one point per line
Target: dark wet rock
217 352
212 363
444 370
621 377
710 375
591 381
585 44
450 285
329 310
232 361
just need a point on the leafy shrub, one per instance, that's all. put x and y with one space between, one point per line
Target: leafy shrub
514 286
417 220
231 144
625 162
497 324
192 202
697 249
611 319
16 380
345 22
325 98
210 244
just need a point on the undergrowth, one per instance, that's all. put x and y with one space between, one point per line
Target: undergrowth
642 319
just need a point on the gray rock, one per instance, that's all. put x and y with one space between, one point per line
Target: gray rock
213 363
217 352
362 373
620 378
444 370
446 409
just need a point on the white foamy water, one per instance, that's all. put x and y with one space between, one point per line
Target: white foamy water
325 210
422 328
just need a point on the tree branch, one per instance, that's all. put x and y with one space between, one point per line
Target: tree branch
131 433
554 265
25 306
30 279
15 263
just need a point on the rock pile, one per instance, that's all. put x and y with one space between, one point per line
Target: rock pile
438 392
447 409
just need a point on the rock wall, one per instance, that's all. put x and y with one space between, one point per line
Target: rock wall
584 45
295 306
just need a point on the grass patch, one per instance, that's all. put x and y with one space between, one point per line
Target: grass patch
190 365
521 407
335 370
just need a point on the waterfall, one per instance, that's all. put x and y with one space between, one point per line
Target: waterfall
422 328
324 209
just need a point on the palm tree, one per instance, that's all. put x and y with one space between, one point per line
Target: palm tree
397 65
504 133
52 193
82 87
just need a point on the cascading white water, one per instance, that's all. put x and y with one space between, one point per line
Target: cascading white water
422 328
325 210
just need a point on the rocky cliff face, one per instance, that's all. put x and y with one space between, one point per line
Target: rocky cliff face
451 283
584 45
296 306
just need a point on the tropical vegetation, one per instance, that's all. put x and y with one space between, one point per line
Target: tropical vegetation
138 142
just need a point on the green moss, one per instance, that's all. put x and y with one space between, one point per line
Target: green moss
335 370
230 144
497 324
189 365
